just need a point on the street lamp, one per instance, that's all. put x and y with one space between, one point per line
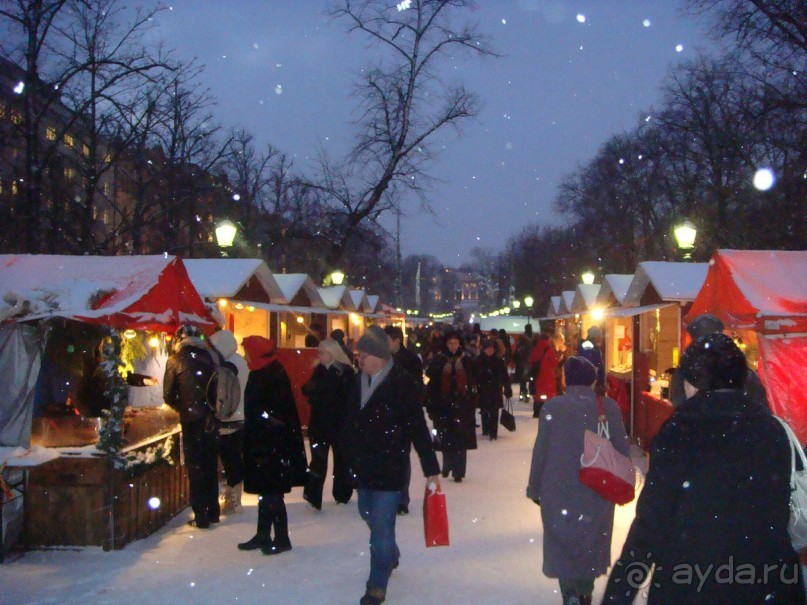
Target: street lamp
225 233
529 300
587 277
516 304
685 234
337 278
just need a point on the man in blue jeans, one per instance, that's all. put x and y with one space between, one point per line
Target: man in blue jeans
384 417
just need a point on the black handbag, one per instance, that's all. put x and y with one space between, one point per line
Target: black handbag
507 420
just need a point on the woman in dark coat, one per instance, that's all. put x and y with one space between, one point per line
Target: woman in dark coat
492 381
327 393
451 406
577 521
274 455
713 515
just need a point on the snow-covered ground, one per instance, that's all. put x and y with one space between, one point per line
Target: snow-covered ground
495 555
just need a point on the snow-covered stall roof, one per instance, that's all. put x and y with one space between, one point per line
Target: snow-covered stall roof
359 298
554 307
299 290
671 282
566 300
372 301
512 324
246 279
337 297
764 290
614 289
584 297
145 292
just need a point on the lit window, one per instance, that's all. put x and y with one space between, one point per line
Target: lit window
105 216
107 189
70 173
85 149
210 237
50 133
14 188
69 140
16 117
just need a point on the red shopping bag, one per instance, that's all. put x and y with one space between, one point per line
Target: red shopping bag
603 468
435 517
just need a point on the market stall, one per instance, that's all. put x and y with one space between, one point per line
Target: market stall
761 297
658 297
117 313
617 342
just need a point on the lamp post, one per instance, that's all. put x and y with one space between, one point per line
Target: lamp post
335 278
226 231
685 234
587 277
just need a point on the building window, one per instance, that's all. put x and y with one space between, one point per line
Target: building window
107 189
210 237
50 133
105 217
14 188
85 149
69 173
69 140
16 117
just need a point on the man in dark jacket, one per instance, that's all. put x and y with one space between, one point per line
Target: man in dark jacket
706 323
384 417
591 349
188 373
409 361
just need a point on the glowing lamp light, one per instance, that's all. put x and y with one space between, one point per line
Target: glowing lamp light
154 503
19 87
225 233
129 334
597 314
239 306
154 342
300 320
764 179
685 234
222 302
588 278
337 278
529 300
516 304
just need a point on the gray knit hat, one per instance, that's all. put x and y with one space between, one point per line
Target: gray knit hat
374 342
705 323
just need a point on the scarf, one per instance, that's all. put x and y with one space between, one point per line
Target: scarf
367 390
455 381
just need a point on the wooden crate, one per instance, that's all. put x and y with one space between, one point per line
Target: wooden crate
84 502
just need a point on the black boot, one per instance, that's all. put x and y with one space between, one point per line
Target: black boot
280 524
262 539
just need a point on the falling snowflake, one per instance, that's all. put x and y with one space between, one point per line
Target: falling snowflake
581 18
764 179
646 23
402 6
679 48
279 89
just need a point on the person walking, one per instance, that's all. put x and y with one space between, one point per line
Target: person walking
450 401
521 358
384 417
231 431
327 394
493 381
712 518
543 362
577 521
187 377
591 349
274 454
409 361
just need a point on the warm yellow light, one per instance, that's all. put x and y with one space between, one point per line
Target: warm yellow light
685 234
222 302
529 300
300 320
597 314
154 342
239 306
506 310
225 233
250 308
516 304
129 334
337 278
588 278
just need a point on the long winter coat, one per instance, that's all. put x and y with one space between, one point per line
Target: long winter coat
187 379
453 410
378 437
716 495
274 455
492 381
327 391
577 521
543 358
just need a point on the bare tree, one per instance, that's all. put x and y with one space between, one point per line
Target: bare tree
406 99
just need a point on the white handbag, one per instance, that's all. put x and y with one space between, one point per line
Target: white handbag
797 528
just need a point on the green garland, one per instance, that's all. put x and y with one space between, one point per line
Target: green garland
111 435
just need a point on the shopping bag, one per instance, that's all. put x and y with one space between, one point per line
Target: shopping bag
435 516
797 527
603 468
507 419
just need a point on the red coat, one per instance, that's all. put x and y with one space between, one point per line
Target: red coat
543 355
